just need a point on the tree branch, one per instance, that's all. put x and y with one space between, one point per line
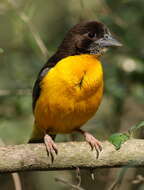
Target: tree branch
28 157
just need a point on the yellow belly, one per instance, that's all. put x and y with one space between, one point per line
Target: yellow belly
70 94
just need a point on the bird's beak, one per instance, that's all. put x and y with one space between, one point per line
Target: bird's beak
108 41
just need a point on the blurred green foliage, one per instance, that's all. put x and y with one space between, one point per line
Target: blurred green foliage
21 59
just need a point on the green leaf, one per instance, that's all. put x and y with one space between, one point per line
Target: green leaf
135 127
118 139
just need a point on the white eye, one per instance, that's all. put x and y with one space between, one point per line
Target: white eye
92 35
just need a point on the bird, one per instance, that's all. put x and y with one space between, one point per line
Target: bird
69 87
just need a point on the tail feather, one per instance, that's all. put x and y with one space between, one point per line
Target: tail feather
36 140
38 135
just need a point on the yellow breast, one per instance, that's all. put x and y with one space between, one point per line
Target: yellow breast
70 94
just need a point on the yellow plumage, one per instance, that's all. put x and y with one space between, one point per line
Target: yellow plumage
70 95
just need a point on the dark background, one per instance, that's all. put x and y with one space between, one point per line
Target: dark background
23 25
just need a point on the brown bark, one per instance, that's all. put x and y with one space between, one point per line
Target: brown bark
28 157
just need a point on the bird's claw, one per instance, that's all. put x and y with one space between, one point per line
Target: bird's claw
50 146
93 142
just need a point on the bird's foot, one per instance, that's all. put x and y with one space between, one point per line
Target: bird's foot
50 146
93 142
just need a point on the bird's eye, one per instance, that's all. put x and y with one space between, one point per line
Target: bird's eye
92 35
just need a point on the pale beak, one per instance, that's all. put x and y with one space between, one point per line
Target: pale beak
108 41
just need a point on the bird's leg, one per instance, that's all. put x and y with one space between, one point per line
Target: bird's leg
93 142
50 146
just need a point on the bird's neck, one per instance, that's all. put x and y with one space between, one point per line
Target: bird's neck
59 55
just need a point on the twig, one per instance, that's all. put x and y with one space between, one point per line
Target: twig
139 179
7 92
32 28
78 176
92 174
77 187
117 182
17 181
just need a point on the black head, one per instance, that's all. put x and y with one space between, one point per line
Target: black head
89 37
86 38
